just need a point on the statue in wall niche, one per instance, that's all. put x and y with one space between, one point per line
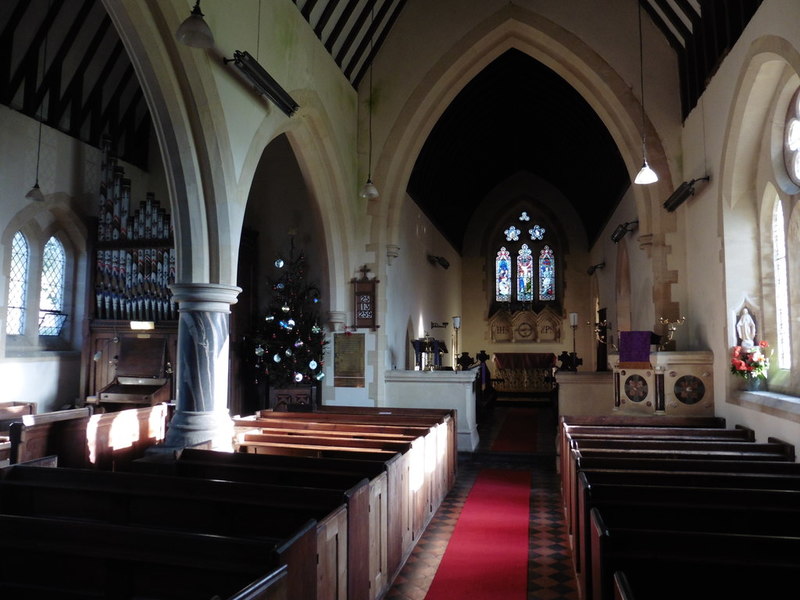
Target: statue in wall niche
746 329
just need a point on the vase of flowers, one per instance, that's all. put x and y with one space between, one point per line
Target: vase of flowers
751 363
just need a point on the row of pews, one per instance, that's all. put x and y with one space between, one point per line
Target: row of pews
678 507
322 515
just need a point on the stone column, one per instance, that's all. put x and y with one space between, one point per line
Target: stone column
202 371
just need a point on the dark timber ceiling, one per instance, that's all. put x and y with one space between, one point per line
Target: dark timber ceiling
519 116
62 62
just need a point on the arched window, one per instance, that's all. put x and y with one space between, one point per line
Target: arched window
524 274
17 285
781 288
51 296
530 277
502 275
547 274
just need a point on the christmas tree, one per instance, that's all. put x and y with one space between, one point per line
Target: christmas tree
289 344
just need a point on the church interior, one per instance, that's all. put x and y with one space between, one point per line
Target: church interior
423 299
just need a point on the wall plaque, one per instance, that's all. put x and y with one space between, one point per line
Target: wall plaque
348 360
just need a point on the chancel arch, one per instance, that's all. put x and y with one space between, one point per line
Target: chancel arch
513 27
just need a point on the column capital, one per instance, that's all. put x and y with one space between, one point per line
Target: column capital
213 297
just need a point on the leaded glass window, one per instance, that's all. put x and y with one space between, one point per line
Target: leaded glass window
547 275
517 275
781 287
791 143
17 285
51 298
502 274
524 274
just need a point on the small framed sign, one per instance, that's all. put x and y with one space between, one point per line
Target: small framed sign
364 309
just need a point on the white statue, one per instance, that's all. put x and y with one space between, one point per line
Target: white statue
746 328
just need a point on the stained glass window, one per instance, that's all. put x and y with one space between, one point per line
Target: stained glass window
518 279
781 288
17 285
547 275
502 274
524 274
51 298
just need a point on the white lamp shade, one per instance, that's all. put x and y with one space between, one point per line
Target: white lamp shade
646 175
194 31
35 194
369 191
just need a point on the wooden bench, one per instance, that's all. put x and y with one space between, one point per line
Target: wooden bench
98 560
425 460
692 445
402 528
701 582
367 523
81 439
687 495
570 433
14 411
443 421
208 507
761 566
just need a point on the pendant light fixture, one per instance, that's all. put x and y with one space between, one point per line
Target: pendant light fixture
194 31
646 174
35 192
368 190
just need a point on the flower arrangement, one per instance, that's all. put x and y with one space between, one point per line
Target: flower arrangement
750 362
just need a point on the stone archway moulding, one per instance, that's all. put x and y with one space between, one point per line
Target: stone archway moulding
608 94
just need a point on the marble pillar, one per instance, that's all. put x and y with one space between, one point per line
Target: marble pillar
201 413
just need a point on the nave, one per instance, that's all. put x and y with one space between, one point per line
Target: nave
550 570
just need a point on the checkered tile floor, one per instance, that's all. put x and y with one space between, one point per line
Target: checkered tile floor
550 573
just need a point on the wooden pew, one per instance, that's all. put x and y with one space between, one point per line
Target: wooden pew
14 411
760 566
443 420
59 433
81 439
426 476
694 497
5 450
367 523
94 560
660 449
423 490
693 446
569 433
271 586
701 582
402 531
200 506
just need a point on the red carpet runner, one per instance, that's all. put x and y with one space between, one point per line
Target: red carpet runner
519 432
487 556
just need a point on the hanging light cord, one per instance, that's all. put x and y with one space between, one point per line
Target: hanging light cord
371 59
41 117
641 75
